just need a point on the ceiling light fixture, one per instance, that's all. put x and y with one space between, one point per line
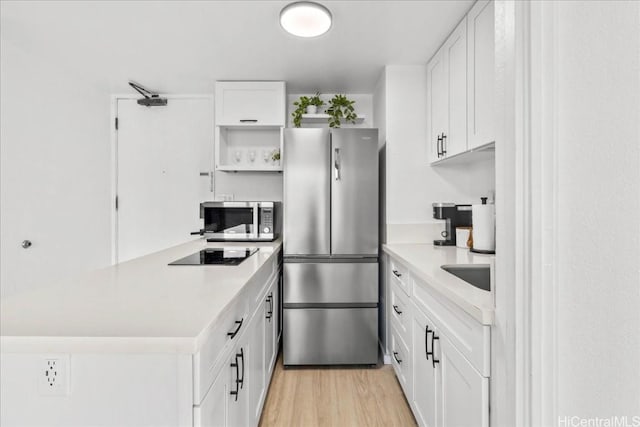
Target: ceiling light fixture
305 19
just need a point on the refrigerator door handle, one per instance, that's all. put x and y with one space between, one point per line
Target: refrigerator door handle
336 163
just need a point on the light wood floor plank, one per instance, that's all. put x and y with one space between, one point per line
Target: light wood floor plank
308 397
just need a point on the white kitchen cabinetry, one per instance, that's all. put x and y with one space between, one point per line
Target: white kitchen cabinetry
249 119
460 87
237 395
481 66
447 96
443 365
250 103
437 104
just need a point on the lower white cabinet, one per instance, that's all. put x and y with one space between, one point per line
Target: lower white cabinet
237 395
445 387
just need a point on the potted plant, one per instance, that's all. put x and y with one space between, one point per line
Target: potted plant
340 108
275 156
307 105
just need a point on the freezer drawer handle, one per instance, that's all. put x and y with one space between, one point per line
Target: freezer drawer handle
395 272
433 349
395 308
234 333
336 163
395 356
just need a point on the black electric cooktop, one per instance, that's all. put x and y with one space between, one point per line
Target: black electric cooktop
217 256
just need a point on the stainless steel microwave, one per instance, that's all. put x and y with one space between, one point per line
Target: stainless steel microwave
240 221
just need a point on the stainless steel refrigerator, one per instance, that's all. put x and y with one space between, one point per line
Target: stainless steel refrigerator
330 288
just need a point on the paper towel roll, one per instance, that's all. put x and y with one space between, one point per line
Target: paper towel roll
484 227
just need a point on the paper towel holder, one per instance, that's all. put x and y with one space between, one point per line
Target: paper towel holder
482 251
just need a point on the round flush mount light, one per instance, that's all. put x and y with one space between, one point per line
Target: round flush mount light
305 19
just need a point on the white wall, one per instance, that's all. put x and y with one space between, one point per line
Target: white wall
598 193
412 184
55 172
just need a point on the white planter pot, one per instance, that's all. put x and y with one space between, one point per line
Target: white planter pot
312 109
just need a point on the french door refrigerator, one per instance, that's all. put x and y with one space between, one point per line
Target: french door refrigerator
330 301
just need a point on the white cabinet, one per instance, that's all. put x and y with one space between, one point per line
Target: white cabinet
424 373
257 371
447 96
455 53
437 104
460 86
249 119
464 393
271 326
481 66
439 353
250 103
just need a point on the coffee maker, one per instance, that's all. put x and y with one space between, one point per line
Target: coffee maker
455 216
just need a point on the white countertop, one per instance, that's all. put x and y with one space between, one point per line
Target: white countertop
424 261
143 305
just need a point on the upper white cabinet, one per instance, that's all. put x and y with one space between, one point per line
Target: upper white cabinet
460 86
249 119
250 103
447 96
480 65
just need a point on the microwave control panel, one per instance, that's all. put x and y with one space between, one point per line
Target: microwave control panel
266 220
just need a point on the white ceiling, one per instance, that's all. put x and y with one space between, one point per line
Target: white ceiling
184 46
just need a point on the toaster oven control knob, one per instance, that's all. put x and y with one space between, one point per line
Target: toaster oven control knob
266 229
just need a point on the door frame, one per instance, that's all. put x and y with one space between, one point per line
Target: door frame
527 212
114 157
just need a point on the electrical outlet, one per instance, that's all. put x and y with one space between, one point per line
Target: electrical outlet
53 375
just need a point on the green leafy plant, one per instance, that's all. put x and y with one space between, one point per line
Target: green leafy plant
301 107
275 156
340 108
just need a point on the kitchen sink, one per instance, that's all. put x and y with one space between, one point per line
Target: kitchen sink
477 275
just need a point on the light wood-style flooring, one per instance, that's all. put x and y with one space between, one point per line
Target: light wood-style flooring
307 397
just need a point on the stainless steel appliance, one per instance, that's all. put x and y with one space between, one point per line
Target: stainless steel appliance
330 246
240 221
454 216
217 256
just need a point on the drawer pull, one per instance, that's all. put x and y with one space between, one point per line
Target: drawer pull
234 333
433 349
248 120
395 308
395 356
426 342
241 380
397 274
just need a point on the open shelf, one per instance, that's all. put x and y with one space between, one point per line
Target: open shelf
248 148
323 118
247 168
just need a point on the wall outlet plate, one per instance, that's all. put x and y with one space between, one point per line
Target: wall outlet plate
53 375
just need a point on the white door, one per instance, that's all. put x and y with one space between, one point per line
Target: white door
255 364
161 154
425 371
481 68
465 392
437 103
455 51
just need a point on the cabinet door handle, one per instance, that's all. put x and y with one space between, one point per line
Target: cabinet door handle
241 380
395 273
234 333
433 349
248 120
235 392
438 145
395 356
444 145
426 342
395 308
270 310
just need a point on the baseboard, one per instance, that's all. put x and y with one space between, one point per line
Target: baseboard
386 359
